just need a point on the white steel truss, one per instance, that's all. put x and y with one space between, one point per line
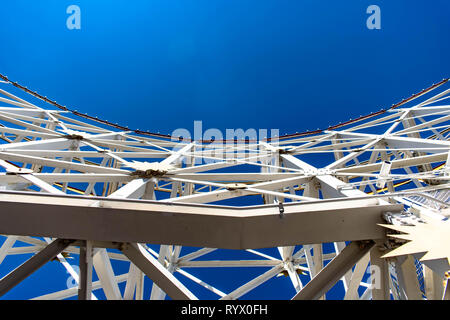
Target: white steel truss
71 186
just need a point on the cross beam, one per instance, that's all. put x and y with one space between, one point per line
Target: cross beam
191 225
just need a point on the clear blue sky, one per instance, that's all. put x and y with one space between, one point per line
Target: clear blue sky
162 64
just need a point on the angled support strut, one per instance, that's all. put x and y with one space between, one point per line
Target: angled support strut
334 270
34 263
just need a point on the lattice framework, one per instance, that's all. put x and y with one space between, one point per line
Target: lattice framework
167 205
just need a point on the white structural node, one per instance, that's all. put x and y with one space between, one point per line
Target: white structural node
356 211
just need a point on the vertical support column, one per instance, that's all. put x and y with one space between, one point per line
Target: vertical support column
407 277
85 282
149 193
312 190
317 257
157 293
446 294
355 281
380 274
140 286
338 155
104 270
338 247
134 287
434 288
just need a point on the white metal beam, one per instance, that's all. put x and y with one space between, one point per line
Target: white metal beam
155 271
28 267
333 271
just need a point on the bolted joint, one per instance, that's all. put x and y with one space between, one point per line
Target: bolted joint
149 169
68 241
147 174
281 209
235 186
17 171
74 137
123 246
364 243
284 151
